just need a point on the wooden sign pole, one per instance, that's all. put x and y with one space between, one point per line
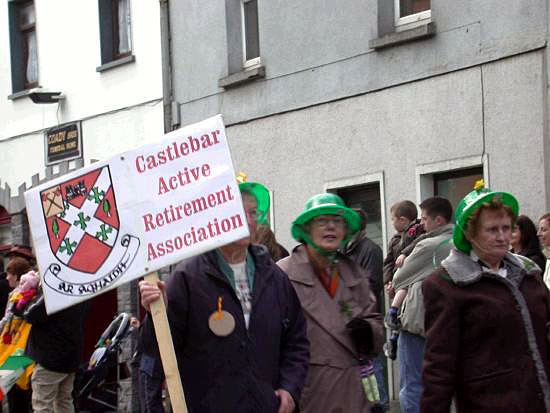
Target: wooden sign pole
166 348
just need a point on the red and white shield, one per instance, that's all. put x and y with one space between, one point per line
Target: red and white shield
82 220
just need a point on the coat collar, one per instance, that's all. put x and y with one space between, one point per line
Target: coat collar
265 269
262 263
306 275
463 270
443 229
355 241
324 311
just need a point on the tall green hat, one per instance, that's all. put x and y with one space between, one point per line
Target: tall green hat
471 203
325 204
259 192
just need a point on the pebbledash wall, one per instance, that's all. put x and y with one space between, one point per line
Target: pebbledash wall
343 96
444 121
118 104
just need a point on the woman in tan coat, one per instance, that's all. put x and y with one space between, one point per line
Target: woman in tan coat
343 327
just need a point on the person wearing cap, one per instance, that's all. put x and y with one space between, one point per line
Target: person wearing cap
487 315
238 329
343 325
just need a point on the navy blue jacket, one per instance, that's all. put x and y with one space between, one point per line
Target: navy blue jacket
239 372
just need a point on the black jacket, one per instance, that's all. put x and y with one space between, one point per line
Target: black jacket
535 255
56 340
5 291
239 372
368 256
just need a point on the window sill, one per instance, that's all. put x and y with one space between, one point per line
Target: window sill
116 63
393 39
242 77
24 93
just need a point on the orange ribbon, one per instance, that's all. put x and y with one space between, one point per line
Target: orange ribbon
219 312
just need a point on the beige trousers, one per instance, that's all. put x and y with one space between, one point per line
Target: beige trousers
51 391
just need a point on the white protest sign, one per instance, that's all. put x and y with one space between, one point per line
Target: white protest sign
141 210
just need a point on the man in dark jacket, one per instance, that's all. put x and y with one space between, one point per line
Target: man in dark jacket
55 344
367 255
259 363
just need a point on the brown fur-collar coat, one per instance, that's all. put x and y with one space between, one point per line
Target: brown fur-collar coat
486 338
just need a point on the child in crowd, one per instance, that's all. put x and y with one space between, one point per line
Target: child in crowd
24 291
404 216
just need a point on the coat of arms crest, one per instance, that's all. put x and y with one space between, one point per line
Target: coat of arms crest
82 220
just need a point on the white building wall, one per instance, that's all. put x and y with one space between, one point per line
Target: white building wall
119 108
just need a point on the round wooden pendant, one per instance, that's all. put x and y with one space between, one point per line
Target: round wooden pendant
221 325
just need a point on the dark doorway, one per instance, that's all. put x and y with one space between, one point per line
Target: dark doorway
103 309
367 197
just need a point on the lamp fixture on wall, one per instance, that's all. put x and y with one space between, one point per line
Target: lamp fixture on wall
42 96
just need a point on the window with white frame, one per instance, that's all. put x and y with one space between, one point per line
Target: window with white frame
409 13
250 33
115 29
23 45
455 185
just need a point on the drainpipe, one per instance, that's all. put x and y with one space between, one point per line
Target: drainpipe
171 109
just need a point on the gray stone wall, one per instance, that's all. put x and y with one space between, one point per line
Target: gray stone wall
127 296
20 231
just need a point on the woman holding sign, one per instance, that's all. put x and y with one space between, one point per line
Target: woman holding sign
344 329
238 329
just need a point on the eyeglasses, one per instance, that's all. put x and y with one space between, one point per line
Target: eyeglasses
252 214
325 221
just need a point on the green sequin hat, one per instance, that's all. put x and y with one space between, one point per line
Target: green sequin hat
471 203
325 204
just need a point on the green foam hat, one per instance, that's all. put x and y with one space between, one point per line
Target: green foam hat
325 204
471 203
258 191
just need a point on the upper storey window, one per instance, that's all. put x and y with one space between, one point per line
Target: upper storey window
115 30
24 51
250 35
409 13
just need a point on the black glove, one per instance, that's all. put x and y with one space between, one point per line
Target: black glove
377 408
361 334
